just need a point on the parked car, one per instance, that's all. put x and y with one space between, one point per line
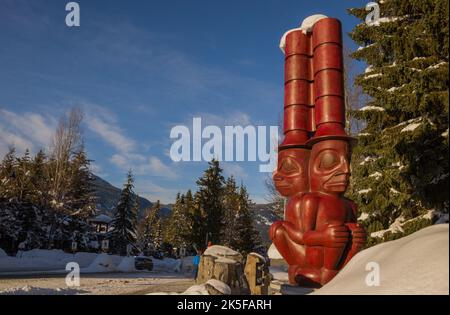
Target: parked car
143 263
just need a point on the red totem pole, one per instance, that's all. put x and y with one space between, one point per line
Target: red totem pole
319 234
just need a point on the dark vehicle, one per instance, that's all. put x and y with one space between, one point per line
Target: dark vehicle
143 263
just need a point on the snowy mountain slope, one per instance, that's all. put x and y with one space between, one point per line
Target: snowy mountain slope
263 218
415 264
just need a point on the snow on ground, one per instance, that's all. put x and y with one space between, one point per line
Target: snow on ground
201 289
273 252
98 284
415 264
279 273
2 253
30 290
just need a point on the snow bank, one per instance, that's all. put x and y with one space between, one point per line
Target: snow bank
56 260
415 264
187 263
102 263
3 253
127 265
43 260
273 252
167 264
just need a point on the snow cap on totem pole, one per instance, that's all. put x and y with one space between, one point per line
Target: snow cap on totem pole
298 122
328 76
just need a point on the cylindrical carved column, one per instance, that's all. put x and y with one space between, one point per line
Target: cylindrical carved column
328 78
298 89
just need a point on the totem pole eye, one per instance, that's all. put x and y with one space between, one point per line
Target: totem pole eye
289 166
328 160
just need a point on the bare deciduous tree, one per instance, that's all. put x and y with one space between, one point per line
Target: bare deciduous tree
67 141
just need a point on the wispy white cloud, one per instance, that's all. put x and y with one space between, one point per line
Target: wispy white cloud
141 165
104 124
25 131
234 169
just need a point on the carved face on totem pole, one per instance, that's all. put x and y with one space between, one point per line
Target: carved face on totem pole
330 166
291 176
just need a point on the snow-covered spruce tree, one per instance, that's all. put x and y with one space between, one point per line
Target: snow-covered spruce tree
145 228
230 201
197 221
210 187
173 232
81 201
400 166
124 223
246 238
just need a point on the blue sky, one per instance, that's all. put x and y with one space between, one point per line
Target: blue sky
138 68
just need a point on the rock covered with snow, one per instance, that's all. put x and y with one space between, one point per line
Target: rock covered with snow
211 287
220 251
415 264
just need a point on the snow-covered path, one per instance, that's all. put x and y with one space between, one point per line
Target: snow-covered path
99 284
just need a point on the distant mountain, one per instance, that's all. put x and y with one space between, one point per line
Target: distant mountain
264 217
108 197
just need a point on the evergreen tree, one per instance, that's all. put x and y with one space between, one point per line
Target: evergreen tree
124 223
22 177
81 203
147 228
7 175
246 237
39 178
175 222
210 187
400 166
197 219
231 203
